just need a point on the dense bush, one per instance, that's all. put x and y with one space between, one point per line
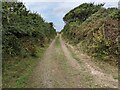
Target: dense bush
82 12
23 30
97 35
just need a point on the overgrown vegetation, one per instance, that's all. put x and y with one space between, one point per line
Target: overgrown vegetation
23 33
23 30
95 31
16 72
82 12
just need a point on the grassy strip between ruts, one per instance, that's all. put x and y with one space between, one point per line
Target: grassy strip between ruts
57 42
16 73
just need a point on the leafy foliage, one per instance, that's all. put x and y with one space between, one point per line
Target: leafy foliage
82 12
98 35
23 30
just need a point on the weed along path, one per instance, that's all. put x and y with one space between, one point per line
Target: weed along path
60 68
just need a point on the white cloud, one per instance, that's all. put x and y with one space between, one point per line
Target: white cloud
36 6
54 10
63 8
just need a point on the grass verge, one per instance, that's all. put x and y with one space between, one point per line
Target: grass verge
104 66
16 72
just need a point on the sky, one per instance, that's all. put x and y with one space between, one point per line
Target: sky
54 10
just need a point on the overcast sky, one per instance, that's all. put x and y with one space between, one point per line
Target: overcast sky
54 10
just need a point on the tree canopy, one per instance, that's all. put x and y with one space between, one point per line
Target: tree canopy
82 12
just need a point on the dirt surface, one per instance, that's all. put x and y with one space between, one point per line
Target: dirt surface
64 68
